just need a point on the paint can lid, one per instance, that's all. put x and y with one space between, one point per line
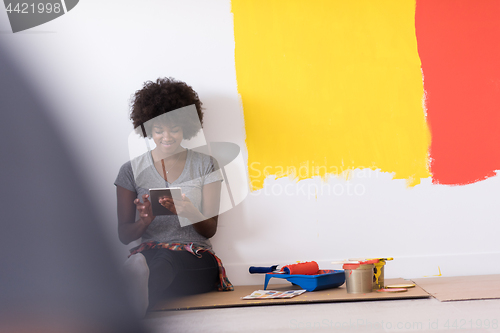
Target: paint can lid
358 266
402 285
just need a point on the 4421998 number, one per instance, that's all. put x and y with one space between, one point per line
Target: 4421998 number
25 8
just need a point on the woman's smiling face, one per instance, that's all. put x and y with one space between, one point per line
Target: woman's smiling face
167 137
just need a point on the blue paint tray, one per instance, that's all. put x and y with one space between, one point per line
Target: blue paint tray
325 279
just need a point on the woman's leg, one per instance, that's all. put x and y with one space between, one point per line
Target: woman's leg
174 273
136 272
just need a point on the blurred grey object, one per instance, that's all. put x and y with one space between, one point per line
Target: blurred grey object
56 268
30 13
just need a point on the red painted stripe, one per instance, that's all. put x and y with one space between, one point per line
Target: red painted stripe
459 46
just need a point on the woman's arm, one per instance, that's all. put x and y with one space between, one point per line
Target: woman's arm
210 205
128 228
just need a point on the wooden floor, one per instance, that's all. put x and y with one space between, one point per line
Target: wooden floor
403 315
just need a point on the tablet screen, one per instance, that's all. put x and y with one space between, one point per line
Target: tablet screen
156 193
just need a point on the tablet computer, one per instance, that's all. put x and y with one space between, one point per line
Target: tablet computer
156 193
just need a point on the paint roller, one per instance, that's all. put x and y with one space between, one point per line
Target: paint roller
304 268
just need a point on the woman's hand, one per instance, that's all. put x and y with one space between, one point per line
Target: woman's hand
168 203
145 210
204 223
130 229
184 208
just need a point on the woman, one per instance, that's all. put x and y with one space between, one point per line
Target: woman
180 258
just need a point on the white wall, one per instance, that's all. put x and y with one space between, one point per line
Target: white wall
87 64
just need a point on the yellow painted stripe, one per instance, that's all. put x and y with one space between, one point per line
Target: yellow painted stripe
330 86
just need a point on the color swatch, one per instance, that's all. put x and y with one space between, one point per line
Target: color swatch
459 45
330 86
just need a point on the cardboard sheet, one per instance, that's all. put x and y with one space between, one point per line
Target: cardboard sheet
221 299
460 288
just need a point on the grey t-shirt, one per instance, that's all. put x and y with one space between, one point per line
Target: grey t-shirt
139 175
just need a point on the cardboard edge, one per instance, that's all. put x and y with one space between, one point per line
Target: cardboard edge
448 299
288 302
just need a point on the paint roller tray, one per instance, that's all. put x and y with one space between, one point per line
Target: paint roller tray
325 279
